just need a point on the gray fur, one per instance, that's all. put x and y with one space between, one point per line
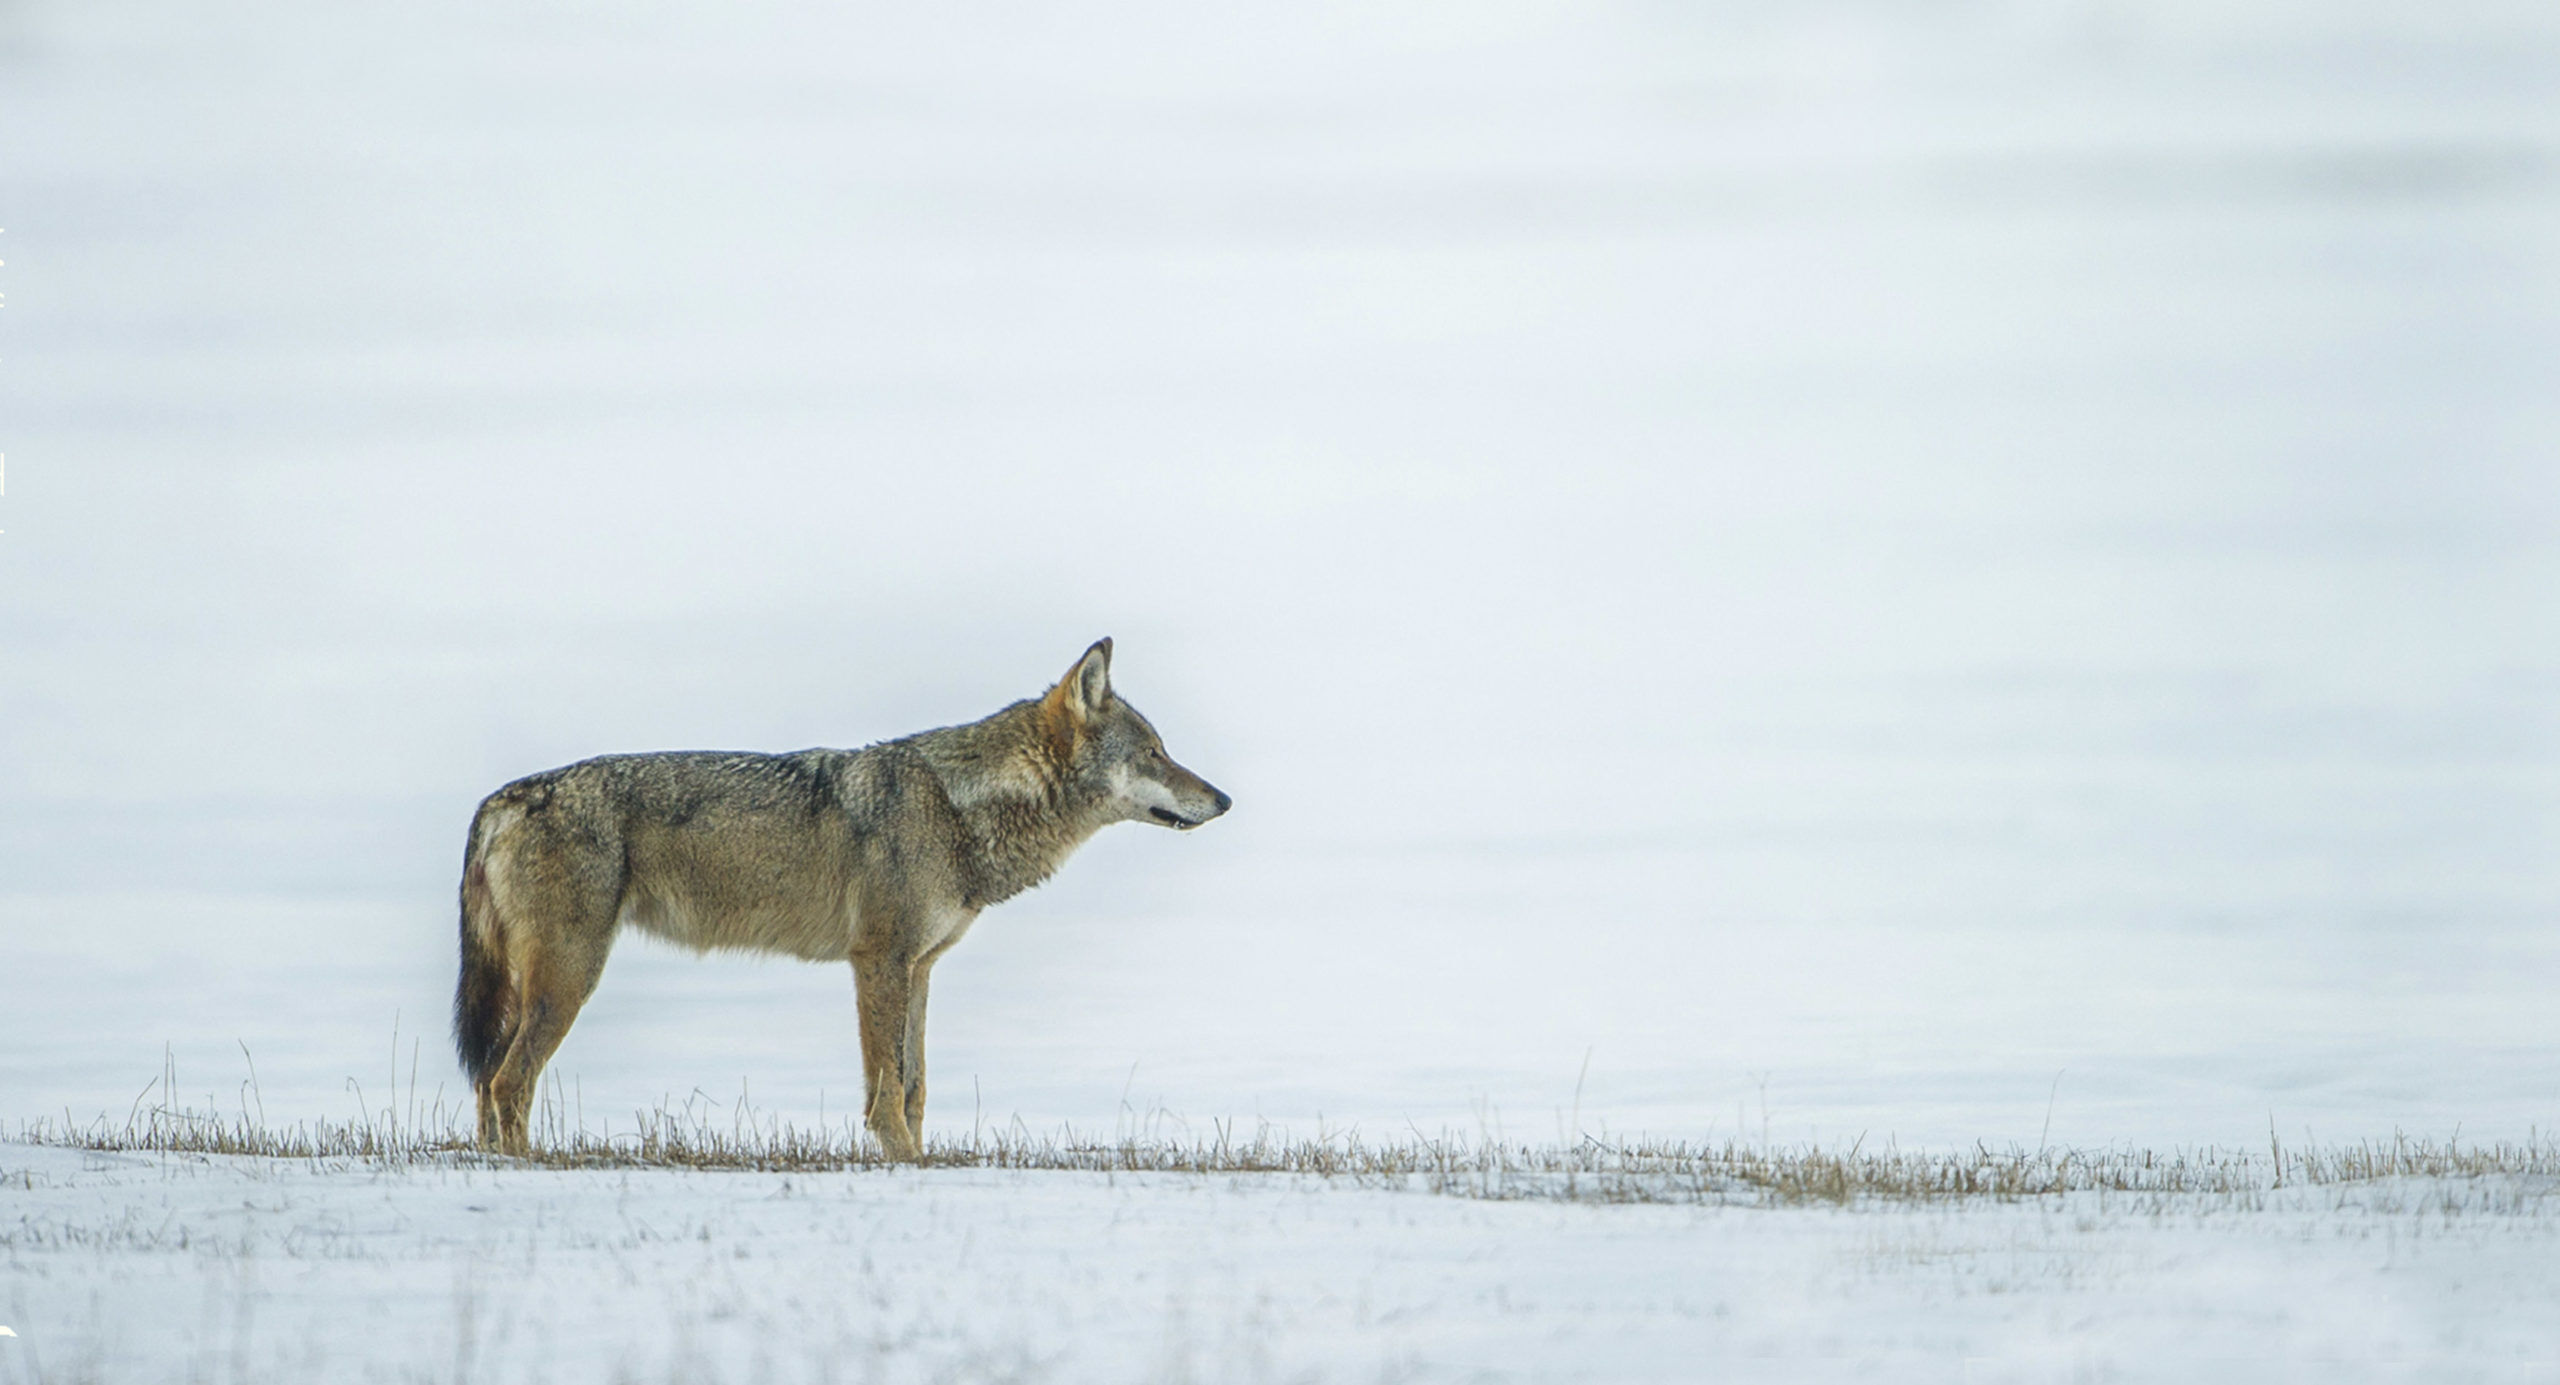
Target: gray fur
881 857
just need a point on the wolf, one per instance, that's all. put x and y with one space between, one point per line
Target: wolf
880 857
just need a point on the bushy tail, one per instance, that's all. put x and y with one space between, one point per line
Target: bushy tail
483 1000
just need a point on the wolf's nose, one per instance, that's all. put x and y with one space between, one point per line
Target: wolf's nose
1224 802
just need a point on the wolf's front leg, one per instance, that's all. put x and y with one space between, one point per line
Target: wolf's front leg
882 988
921 983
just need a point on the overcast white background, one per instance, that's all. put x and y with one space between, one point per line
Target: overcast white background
1934 570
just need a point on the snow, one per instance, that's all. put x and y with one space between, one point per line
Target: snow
1179 978
1939 573
138 1267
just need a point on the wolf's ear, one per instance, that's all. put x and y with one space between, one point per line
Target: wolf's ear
1088 685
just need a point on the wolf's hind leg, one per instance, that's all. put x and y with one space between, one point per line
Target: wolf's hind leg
485 1097
557 981
881 991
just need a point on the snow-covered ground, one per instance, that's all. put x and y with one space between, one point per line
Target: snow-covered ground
1954 572
129 1267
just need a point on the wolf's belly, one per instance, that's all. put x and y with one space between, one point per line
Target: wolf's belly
806 928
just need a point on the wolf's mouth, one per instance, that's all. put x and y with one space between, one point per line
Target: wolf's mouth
1170 819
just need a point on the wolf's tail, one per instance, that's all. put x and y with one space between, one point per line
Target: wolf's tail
483 999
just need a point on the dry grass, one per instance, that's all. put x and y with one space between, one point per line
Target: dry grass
703 1135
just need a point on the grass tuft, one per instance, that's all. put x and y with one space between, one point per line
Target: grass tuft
701 1135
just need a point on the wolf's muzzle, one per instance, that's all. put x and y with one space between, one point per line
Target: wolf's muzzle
1173 819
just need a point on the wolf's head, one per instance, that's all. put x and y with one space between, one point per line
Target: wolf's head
1111 755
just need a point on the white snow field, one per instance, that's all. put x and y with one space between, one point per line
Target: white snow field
130 1267
1840 570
